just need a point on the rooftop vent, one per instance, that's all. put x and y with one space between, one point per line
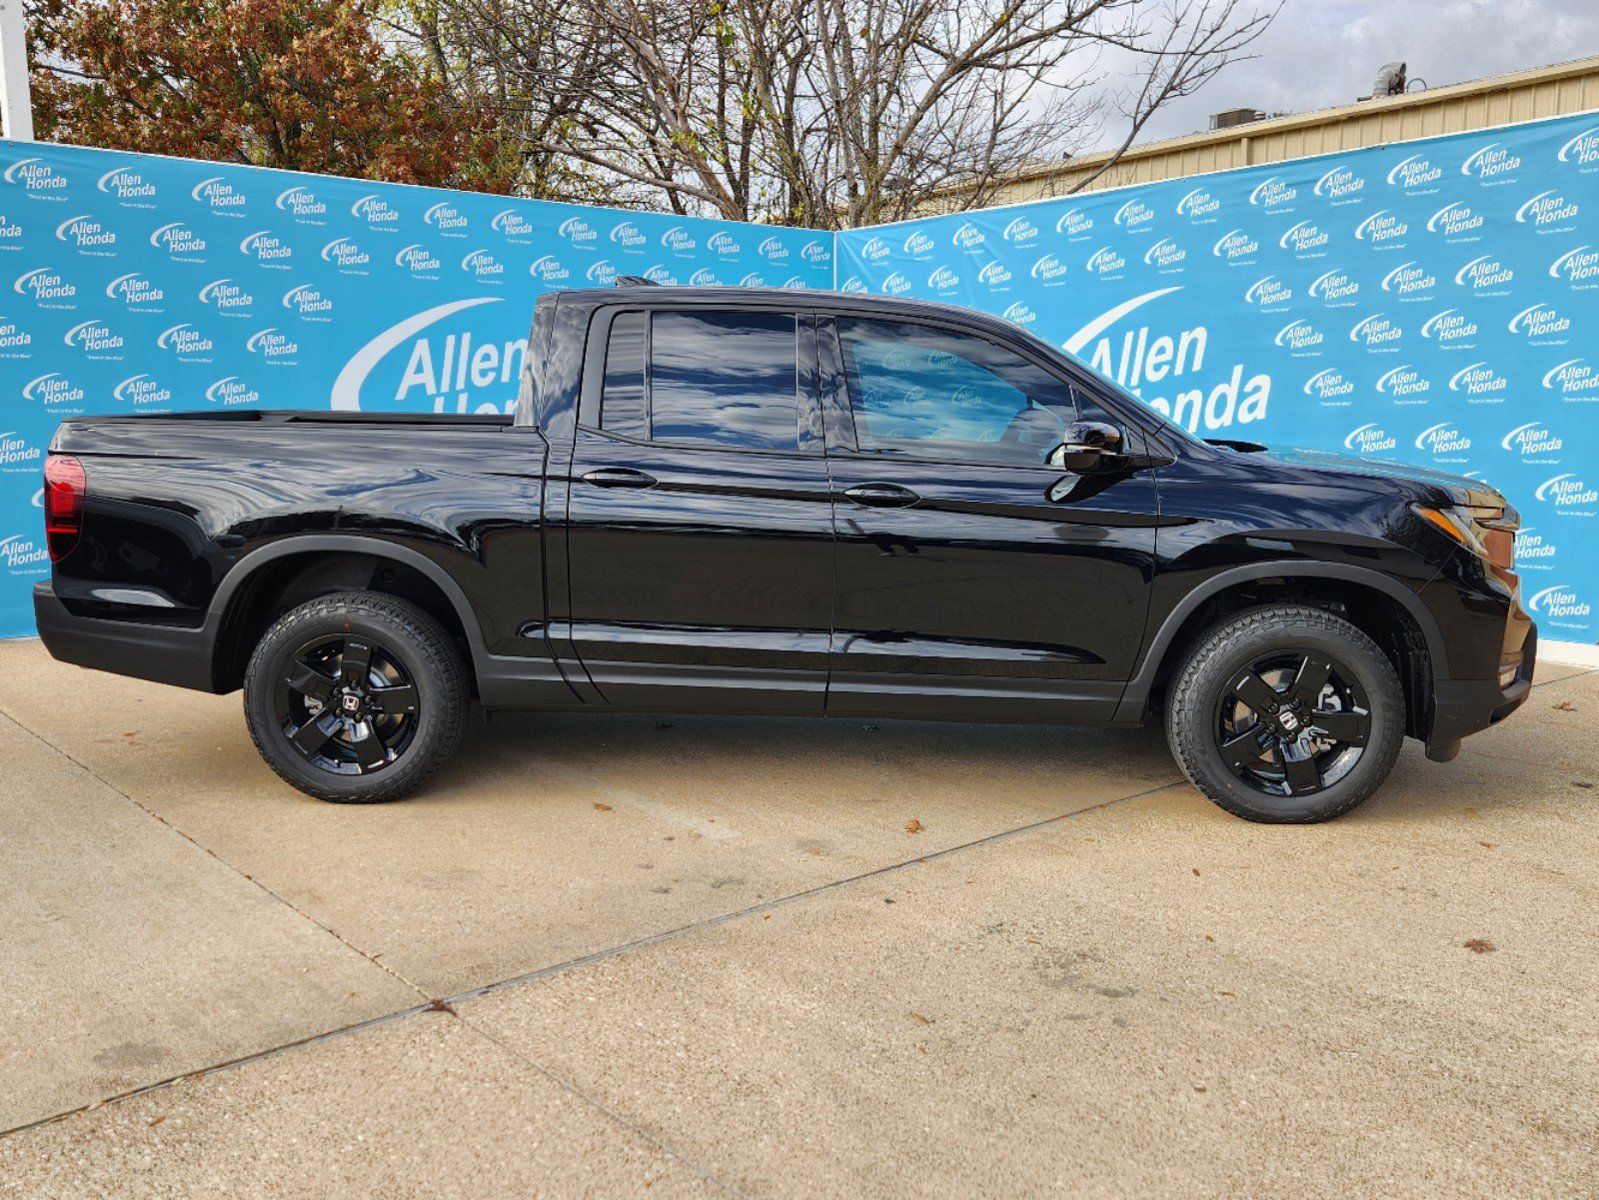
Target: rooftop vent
1390 81
1236 116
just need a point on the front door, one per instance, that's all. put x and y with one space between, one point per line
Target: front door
699 523
974 580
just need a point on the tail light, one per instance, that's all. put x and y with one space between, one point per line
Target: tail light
64 486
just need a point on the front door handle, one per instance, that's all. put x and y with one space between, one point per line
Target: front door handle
619 477
882 495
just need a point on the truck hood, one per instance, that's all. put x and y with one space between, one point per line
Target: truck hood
1455 489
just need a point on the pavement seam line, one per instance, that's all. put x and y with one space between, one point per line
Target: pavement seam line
201 846
572 1089
767 906
448 1004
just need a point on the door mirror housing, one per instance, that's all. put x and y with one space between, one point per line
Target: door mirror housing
1088 446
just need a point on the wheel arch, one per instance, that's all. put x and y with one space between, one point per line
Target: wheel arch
1318 581
321 563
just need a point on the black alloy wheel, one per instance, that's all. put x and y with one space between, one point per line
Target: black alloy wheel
1292 724
347 704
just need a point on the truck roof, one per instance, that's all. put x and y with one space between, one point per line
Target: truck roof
795 297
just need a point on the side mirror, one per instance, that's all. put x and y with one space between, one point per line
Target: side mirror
1088 444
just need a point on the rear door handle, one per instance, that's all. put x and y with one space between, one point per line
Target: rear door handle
882 495
619 477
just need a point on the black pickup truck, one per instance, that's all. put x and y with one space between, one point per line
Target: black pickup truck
783 502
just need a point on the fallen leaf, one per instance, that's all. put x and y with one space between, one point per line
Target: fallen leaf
1565 706
602 807
913 826
1208 938
924 1020
158 1120
1486 845
1195 870
1479 945
1199 1087
1582 783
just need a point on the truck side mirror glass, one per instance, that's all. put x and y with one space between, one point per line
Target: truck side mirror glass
1086 446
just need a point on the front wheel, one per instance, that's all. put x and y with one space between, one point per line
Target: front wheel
1286 714
355 697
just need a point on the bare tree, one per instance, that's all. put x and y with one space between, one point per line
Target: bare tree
819 112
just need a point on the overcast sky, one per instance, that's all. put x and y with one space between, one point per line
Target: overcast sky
1324 52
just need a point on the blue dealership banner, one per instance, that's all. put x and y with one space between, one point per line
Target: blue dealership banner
134 283
1433 302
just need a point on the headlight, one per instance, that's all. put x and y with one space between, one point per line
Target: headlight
1489 533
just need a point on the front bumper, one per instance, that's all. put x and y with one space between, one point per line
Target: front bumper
1461 708
162 653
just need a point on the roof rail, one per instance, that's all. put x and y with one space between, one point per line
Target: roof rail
635 281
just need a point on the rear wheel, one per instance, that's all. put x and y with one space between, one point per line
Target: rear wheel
1286 714
355 697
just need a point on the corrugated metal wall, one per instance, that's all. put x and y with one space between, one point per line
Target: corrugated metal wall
1525 96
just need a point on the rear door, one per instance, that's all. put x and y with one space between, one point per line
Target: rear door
699 524
974 580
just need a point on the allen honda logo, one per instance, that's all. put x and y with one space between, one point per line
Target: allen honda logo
1370 438
46 288
1410 281
1236 247
17 454
814 252
874 249
896 284
1020 231
307 303
347 257
230 391
275 346
1457 221
136 292
1444 442
141 391
968 237
1486 275
377 212
774 250
603 273
679 241
185 341
1548 212
512 225
18 343
1582 151
87 236
1268 294
1451 329
1330 388
267 249
627 236
227 297
1305 240
1049 270
1574 378
10 233
580 235
180 242
220 196
443 373
1273 194
302 205
1382 230
419 262
1166 256
1075 224
1560 604
1300 338
1578 267
1480 384
1335 289
1199 206
918 245
1492 164
1135 216
96 339
662 275
705 277
1020 314
1340 186
1534 442
1415 175
995 276
485 268
723 244
1569 494
21 557
549 269
52 390
1541 324
37 179
1377 333
447 219
1106 263
1533 550
942 279
130 188
1405 385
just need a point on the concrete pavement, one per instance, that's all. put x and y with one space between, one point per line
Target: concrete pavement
605 956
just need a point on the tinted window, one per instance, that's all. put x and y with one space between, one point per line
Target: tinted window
918 390
724 378
622 408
